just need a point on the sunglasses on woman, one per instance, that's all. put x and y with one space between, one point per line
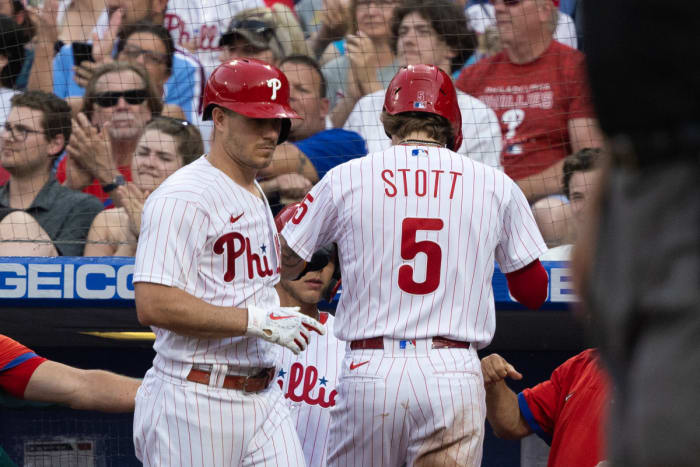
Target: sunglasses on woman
507 2
111 98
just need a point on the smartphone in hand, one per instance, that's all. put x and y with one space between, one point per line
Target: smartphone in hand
82 51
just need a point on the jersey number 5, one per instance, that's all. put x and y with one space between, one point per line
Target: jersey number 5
410 248
302 209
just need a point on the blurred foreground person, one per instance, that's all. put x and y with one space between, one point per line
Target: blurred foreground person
638 266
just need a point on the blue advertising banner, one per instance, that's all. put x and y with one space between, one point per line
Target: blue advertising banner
108 282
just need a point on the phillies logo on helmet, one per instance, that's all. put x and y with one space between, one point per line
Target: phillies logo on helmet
276 85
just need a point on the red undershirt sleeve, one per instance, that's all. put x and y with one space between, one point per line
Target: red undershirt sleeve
528 285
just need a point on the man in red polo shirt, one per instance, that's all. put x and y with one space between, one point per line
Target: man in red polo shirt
567 411
538 89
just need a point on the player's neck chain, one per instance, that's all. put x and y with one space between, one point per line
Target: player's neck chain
420 142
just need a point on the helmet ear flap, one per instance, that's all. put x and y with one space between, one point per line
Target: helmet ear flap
284 132
208 111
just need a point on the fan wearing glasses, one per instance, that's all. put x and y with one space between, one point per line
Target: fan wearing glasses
119 101
151 46
432 32
537 87
184 85
38 216
167 144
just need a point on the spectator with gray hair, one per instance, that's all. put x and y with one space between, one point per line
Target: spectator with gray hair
119 100
537 87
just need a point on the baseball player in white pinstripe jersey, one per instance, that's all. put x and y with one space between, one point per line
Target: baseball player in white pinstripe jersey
206 266
309 379
418 228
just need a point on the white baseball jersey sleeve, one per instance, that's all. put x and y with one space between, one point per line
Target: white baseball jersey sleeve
206 235
418 229
480 127
309 383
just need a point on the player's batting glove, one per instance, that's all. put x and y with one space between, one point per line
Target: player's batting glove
283 325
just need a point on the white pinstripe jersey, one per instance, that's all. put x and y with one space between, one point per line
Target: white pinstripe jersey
418 229
206 235
309 383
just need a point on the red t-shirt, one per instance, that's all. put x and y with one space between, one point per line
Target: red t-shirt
94 188
4 176
17 364
568 411
534 103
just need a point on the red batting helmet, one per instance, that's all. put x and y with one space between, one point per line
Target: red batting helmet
320 258
252 88
425 88
285 215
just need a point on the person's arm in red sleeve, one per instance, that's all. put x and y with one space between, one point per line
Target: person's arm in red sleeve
528 285
502 410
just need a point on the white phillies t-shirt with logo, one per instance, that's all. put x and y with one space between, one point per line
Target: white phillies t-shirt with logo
418 229
308 382
203 233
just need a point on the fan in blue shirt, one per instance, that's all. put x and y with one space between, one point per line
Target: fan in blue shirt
312 149
179 74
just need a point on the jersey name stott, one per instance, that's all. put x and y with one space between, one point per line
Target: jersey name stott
418 182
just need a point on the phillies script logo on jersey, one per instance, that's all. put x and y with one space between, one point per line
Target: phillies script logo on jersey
235 244
306 380
206 38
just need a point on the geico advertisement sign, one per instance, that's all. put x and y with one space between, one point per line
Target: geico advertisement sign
86 281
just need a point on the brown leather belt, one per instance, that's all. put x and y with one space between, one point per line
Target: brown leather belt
376 343
241 383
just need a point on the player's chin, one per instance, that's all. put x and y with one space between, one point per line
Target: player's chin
263 158
310 296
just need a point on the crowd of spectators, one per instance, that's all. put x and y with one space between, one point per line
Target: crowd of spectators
104 98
